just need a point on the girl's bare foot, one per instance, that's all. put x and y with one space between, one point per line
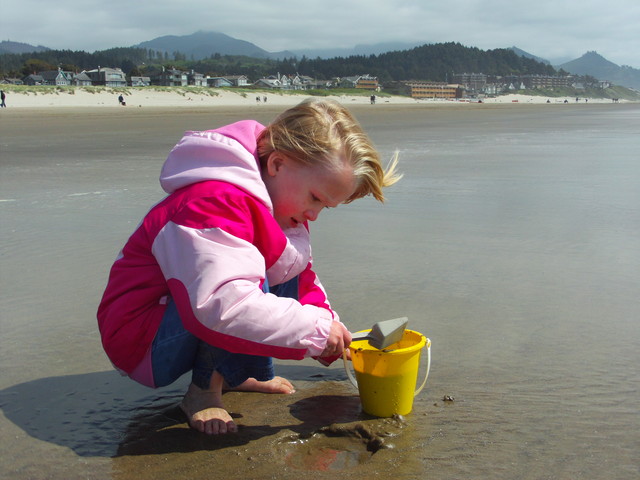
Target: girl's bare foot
205 411
275 385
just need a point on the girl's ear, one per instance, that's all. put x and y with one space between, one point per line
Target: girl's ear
274 163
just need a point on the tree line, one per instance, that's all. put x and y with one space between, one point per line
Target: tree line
432 62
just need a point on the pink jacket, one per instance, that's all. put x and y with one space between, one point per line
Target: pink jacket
209 245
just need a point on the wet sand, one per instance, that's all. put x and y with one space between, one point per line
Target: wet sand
74 184
531 312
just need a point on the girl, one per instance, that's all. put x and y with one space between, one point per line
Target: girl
217 278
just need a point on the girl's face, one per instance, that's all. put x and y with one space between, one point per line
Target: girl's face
299 192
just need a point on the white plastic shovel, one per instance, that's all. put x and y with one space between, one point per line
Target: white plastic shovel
384 333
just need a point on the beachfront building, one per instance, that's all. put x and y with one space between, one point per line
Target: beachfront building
219 82
81 80
271 82
365 82
281 82
109 77
323 84
295 83
299 82
196 79
307 81
11 81
56 77
33 79
419 89
137 81
493 89
545 81
472 82
238 80
170 78
477 83
288 82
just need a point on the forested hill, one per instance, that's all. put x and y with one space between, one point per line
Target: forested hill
433 62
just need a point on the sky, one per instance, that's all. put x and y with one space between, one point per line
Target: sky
558 29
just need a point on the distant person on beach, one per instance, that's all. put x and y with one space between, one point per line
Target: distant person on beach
373 99
3 96
121 101
217 279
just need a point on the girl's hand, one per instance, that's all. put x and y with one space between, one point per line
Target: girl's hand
339 339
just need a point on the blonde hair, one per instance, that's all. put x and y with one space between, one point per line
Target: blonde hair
317 131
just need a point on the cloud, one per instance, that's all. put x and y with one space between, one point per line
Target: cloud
544 28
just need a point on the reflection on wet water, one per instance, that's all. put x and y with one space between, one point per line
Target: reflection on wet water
334 447
92 414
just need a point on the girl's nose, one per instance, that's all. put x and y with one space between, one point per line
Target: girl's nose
311 214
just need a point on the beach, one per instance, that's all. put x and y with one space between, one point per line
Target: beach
142 97
511 242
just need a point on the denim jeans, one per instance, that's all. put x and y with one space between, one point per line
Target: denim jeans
175 351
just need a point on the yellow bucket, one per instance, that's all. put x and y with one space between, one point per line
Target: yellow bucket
386 379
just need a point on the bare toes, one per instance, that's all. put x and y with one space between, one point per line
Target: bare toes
219 427
213 421
275 385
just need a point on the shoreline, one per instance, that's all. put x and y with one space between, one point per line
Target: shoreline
147 98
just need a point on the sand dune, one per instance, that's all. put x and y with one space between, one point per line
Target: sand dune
147 97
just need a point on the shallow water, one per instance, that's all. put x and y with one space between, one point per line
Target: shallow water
512 243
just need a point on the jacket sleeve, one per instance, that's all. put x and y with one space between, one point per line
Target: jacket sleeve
311 291
212 255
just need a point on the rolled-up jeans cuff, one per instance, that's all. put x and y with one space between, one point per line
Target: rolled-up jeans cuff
242 367
235 368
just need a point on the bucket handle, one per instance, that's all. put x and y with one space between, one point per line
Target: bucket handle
424 382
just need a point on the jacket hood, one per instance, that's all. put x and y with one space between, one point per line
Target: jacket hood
228 154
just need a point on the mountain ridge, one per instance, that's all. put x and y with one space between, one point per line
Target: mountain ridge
595 65
10 47
204 44
524 54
